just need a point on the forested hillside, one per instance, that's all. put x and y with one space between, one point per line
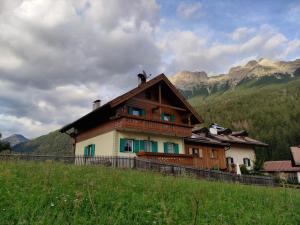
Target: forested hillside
268 108
54 143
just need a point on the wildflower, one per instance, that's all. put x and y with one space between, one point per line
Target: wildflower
52 204
148 211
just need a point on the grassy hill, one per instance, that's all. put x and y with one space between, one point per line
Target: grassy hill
267 107
54 143
54 193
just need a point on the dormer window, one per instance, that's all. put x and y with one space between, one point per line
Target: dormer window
134 111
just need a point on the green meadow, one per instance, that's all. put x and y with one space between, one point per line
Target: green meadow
54 193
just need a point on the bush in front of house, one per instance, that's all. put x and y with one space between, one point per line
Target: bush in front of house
244 170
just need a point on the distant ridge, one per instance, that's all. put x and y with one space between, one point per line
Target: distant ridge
15 139
54 143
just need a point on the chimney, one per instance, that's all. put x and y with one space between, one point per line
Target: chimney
142 78
96 104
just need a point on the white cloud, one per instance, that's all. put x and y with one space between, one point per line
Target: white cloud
189 10
29 127
194 52
59 56
241 32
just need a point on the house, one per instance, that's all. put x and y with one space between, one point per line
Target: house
153 117
210 153
288 170
241 150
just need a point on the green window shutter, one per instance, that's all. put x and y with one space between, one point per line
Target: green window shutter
136 145
143 112
172 118
154 146
165 147
176 148
162 116
130 109
85 151
93 150
122 144
142 145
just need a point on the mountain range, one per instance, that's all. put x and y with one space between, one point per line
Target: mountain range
199 83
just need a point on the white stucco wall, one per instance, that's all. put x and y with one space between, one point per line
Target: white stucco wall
139 136
108 144
298 176
104 144
238 153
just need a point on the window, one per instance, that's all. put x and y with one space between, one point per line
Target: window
126 145
147 146
195 152
247 162
89 151
171 148
213 154
167 117
229 160
136 111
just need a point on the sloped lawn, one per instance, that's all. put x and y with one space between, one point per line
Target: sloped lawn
53 193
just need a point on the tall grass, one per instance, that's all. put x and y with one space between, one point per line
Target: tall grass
53 193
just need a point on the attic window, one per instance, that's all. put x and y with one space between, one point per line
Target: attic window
134 111
167 117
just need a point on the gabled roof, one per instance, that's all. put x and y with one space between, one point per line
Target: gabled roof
280 166
122 98
232 137
198 139
295 155
239 140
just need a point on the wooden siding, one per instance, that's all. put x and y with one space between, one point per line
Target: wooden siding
156 127
206 161
137 124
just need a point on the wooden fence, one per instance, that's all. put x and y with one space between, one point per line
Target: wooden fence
146 164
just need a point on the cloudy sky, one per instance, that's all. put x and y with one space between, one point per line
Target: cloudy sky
57 56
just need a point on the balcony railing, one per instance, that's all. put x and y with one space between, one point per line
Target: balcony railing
159 127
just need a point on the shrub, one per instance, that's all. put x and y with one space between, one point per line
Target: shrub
244 169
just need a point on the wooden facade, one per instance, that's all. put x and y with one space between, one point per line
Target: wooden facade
155 101
207 156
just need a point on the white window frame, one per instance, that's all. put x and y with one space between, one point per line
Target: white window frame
172 150
231 159
249 161
132 144
167 117
136 112
149 144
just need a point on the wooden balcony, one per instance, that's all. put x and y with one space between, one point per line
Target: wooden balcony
134 123
183 159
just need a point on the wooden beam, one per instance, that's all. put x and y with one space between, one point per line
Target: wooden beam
159 98
158 104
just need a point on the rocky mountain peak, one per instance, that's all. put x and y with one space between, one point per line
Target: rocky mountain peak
187 80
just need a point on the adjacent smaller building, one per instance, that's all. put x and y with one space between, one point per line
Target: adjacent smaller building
288 170
241 150
208 153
